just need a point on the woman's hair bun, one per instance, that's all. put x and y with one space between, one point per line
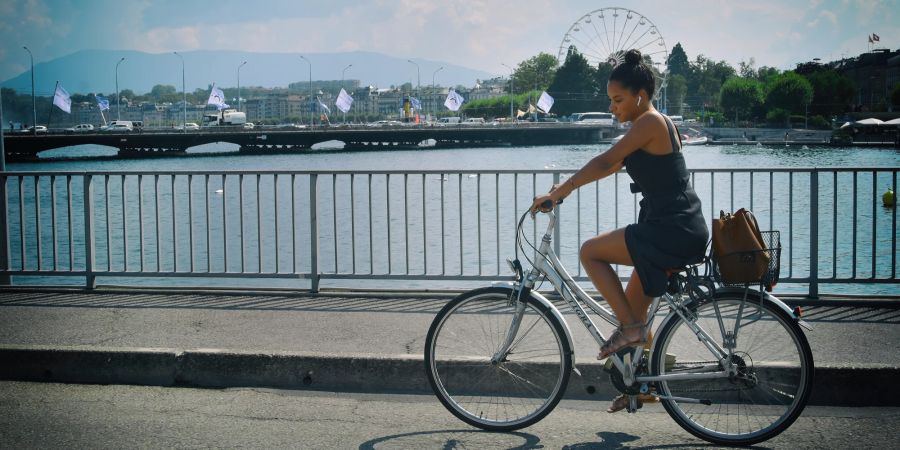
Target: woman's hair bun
633 57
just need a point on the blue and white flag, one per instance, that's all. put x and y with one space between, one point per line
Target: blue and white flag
454 101
545 102
217 98
103 103
325 107
344 100
415 103
61 98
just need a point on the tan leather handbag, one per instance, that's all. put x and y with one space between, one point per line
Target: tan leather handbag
738 248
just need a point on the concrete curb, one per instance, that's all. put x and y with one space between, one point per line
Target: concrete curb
216 368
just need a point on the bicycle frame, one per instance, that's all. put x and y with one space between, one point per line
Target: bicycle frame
547 264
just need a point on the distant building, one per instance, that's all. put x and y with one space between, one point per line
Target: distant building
874 74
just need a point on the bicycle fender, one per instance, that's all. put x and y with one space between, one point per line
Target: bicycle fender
755 295
752 295
547 303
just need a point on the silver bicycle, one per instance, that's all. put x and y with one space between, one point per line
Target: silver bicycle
730 365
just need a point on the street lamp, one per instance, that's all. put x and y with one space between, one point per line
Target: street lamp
310 91
184 96
343 114
33 107
118 104
511 94
433 93
418 75
239 84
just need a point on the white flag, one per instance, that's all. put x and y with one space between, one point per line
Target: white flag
102 102
344 100
454 101
545 102
217 98
325 107
61 99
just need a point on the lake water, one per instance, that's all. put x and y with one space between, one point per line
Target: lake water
420 245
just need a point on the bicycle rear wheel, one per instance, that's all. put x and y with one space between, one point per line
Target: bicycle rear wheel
514 392
775 371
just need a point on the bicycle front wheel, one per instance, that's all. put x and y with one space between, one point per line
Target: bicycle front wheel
774 362
492 391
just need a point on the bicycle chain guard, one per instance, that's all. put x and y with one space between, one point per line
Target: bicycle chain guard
615 376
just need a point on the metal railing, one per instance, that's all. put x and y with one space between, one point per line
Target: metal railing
417 226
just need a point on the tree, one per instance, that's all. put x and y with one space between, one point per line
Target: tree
128 93
705 79
740 97
574 86
833 92
164 93
790 92
535 73
746 69
678 61
675 92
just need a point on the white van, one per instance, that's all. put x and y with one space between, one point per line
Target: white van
474 121
677 120
118 125
448 121
594 118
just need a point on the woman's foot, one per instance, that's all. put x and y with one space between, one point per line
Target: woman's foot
624 336
621 402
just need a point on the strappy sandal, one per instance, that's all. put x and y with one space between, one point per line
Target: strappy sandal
617 340
621 402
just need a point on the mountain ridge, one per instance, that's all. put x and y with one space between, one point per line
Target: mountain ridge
93 71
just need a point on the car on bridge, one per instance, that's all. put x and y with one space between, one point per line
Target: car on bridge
117 128
37 129
188 126
81 128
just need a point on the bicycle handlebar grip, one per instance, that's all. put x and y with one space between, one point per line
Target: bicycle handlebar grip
549 204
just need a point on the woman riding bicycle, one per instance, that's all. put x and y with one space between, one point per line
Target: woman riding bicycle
670 232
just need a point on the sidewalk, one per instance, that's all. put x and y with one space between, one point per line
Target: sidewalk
344 342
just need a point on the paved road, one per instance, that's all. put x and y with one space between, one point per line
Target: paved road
45 415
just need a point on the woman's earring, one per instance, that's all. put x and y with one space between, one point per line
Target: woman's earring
639 100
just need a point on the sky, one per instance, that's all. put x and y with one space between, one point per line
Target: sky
480 34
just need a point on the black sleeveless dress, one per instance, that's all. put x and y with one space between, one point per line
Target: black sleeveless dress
671 231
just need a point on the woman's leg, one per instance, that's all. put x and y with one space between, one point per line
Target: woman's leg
598 254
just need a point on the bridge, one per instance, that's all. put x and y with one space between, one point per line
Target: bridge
170 142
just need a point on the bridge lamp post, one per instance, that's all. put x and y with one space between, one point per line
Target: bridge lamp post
343 114
310 91
418 75
433 93
239 84
184 96
33 105
511 93
118 104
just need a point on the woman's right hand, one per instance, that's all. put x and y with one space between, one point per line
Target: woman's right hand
551 198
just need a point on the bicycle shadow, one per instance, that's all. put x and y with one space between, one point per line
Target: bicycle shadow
455 439
608 440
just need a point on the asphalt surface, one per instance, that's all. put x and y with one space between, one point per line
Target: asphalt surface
353 342
49 415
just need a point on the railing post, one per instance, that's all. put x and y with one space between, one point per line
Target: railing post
558 219
4 233
814 234
90 279
313 233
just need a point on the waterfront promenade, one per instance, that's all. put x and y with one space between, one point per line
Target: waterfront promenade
345 341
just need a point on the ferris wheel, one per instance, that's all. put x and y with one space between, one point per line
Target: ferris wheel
604 35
